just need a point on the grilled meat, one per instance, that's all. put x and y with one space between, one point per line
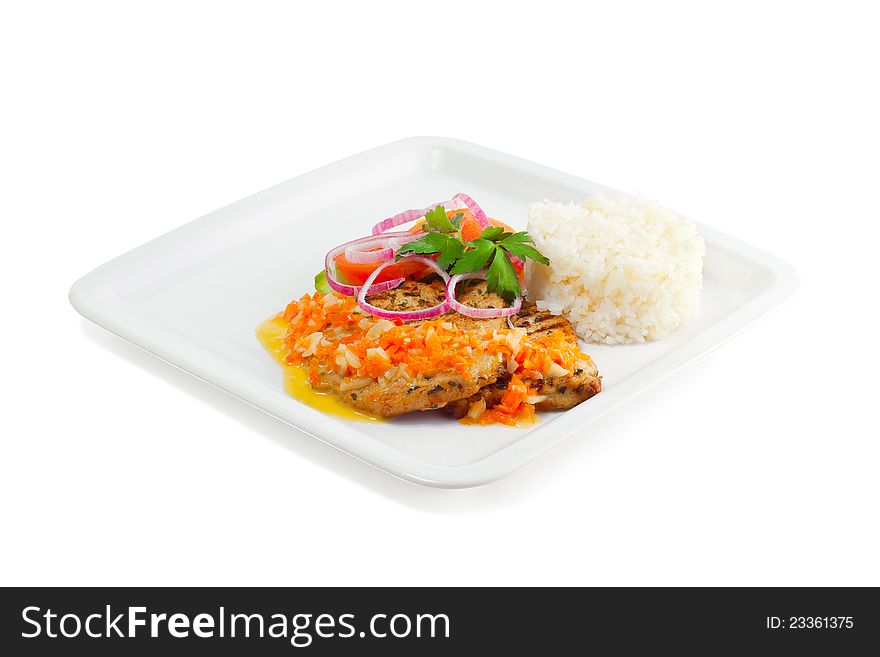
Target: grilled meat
398 395
561 392
566 390
488 377
413 295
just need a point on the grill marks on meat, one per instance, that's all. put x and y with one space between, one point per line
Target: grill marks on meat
559 393
567 391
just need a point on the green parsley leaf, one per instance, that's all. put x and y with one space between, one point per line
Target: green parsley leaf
422 245
450 252
501 277
475 258
516 244
456 220
449 248
521 236
437 220
492 233
428 243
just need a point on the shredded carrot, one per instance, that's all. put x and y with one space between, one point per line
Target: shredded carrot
314 374
512 409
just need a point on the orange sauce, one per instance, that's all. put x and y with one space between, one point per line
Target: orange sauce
296 377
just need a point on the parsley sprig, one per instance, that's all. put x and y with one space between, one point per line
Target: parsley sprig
491 249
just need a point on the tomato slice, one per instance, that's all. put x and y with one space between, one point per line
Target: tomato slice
357 274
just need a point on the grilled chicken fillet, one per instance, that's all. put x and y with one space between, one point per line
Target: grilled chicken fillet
554 393
396 396
449 389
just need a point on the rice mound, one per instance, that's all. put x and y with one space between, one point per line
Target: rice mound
620 271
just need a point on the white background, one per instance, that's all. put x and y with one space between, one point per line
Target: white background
121 121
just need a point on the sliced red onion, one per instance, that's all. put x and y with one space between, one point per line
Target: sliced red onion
365 257
383 247
352 290
470 311
479 215
412 215
406 315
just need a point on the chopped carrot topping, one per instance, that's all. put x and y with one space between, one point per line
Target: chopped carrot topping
330 333
512 409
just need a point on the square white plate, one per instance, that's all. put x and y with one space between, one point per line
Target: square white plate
194 297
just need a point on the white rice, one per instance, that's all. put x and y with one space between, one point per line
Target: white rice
621 271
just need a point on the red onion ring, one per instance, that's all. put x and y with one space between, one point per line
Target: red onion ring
477 313
412 215
368 257
406 315
479 215
359 253
353 290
